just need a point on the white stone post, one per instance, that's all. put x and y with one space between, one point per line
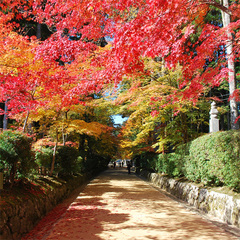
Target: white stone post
214 121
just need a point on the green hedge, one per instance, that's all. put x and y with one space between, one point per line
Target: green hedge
68 161
16 157
169 164
215 159
146 160
173 164
18 161
44 157
212 159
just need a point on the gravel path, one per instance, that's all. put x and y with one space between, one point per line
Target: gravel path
118 205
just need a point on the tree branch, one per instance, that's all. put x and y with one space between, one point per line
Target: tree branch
217 5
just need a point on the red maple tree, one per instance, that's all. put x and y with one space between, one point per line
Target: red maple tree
149 28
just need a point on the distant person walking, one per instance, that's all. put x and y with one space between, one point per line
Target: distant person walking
129 167
114 164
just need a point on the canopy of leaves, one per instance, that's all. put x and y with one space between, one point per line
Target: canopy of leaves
140 28
47 78
153 124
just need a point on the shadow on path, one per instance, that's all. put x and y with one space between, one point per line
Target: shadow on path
118 205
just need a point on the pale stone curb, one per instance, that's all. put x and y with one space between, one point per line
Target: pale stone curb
222 206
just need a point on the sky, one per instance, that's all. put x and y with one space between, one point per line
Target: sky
118 119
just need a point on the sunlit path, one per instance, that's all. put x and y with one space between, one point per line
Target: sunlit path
117 205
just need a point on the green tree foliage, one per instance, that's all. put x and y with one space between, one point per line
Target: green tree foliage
16 157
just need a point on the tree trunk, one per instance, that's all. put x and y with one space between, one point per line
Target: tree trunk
231 76
64 136
12 174
25 122
54 154
5 117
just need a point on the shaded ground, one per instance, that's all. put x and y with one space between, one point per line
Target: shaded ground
117 205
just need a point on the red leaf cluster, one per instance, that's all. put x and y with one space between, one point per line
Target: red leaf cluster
149 28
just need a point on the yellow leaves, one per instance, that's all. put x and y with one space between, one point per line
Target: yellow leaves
84 64
161 144
42 113
79 126
142 97
57 120
136 131
162 119
15 52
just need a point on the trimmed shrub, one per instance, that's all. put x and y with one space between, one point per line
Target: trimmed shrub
215 159
44 158
16 157
68 161
212 159
146 161
169 164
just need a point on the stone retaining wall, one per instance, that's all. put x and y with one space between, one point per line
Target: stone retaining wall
224 207
20 219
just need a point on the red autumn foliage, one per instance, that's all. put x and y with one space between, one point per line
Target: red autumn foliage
149 28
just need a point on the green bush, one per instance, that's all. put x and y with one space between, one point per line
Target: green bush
146 161
169 164
16 157
215 159
68 161
44 158
212 159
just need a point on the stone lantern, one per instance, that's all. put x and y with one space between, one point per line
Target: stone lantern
214 121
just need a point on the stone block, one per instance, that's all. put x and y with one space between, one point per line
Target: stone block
219 205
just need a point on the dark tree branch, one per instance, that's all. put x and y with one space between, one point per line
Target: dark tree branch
217 5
